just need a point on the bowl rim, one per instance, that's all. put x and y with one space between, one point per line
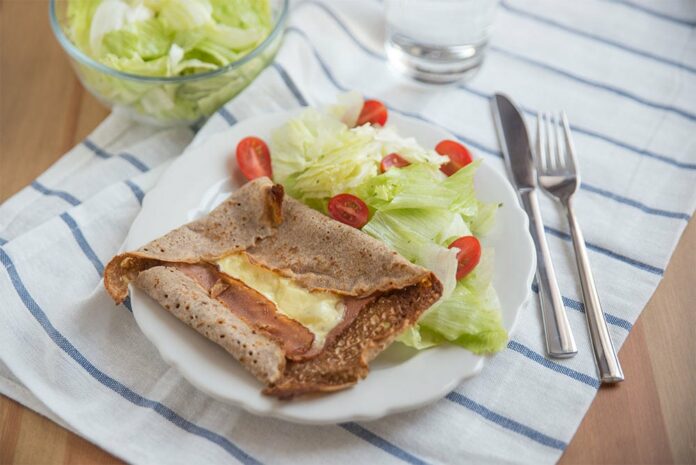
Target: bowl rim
74 52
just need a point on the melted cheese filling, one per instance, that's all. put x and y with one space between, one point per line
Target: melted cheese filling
319 312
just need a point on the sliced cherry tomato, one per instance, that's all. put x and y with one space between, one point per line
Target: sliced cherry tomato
254 158
458 154
348 209
393 159
373 112
468 256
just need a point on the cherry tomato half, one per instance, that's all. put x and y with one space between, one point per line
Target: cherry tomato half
373 112
458 154
468 256
348 209
254 158
393 159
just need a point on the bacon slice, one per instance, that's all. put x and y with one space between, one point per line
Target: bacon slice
263 315
252 307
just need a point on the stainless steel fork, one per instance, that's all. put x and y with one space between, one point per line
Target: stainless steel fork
557 172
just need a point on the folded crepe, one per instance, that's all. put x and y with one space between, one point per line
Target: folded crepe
303 302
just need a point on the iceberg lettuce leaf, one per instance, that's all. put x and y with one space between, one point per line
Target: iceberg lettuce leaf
167 38
469 316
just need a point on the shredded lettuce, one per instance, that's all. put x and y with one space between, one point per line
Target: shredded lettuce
215 32
316 155
415 210
169 38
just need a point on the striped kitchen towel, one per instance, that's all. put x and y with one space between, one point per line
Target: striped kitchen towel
625 71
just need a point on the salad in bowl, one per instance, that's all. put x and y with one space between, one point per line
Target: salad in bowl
168 61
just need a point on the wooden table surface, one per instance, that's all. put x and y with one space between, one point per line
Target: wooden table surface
650 418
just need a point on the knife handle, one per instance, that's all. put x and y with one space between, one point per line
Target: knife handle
559 337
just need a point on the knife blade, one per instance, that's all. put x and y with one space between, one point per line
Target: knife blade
517 152
515 143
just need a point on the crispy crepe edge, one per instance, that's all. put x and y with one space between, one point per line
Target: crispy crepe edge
188 302
345 361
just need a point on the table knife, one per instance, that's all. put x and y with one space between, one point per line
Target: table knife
517 152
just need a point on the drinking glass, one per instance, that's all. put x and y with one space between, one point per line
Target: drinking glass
438 41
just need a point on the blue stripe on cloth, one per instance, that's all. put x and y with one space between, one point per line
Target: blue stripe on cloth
604 251
569 303
130 158
590 133
596 84
583 186
603 40
2 241
580 307
656 14
490 151
540 359
97 150
82 242
227 116
290 84
72 200
505 422
635 203
137 191
381 443
616 321
119 388
632 148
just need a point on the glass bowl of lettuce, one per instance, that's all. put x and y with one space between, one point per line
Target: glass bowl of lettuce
168 62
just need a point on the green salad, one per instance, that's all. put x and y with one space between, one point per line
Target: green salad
167 39
419 201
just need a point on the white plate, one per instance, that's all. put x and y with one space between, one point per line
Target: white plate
400 378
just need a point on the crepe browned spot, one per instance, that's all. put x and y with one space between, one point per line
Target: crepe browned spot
383 292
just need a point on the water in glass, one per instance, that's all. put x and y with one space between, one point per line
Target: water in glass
438 41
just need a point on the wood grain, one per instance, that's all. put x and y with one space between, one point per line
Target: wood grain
650 418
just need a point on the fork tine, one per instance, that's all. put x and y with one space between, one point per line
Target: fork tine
559 145
550 147
570 147
540 144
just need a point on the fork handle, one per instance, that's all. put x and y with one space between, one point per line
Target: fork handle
559 337
602 346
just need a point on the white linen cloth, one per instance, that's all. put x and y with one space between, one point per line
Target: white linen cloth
625 73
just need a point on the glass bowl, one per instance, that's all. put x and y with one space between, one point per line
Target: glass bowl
169 101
